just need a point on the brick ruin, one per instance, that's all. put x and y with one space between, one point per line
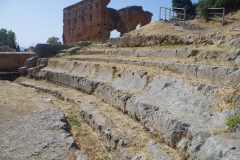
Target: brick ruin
91 20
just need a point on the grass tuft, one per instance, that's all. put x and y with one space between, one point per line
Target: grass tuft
233 122
195 59
74 122
70 59
235 68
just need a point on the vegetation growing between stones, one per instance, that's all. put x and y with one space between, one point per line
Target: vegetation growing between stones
233 123
83 134
84 48
70 59
195 59
235 68
68 54
74 122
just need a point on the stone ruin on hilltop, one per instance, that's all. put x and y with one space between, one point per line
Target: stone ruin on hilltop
91 20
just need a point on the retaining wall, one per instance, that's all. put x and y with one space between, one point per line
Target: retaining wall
11 61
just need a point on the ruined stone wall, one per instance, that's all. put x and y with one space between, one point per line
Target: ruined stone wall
130 17
11 61
91 20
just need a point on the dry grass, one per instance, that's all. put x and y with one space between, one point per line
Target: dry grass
157 28
161 28
85 137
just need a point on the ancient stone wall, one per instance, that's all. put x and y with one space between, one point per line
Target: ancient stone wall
48 50
11 61
91 20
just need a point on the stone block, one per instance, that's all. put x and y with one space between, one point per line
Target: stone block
31 62
22 71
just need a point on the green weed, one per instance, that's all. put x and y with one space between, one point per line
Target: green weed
216 53
70 59
112 158
68 54
74 122
128 95
235 68
195 59
84 48
233 122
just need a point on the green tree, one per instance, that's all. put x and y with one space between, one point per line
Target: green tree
7 38
229 5
11 39
187 4
3 37
54 40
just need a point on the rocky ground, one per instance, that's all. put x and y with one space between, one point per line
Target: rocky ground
33 127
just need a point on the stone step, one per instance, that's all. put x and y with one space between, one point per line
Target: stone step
123 136
214 74
170 53
189 115
153 40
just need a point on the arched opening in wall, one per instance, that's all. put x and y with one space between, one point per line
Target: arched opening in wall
114 34
138 26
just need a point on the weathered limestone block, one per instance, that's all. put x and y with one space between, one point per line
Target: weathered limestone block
84 43
91 20
42 62
22 71
31 62
234 42
237 61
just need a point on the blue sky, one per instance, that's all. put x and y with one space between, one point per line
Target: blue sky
33 21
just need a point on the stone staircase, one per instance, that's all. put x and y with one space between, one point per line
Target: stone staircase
139 96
